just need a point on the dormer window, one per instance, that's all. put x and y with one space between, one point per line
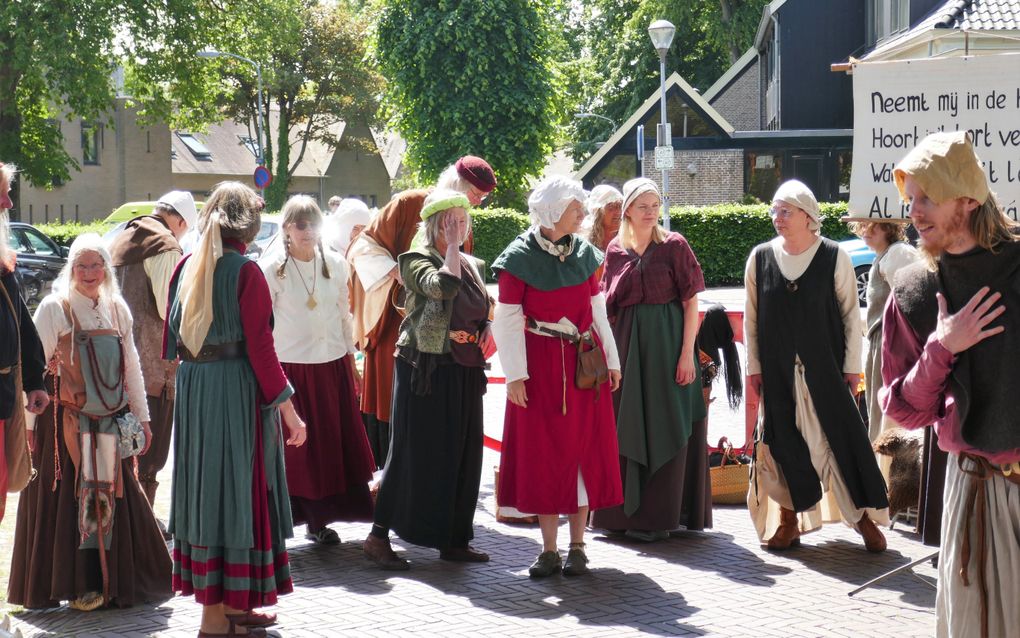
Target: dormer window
885 18
197 148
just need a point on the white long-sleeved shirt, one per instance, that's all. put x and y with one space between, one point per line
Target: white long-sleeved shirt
310 335
792 267
51 323
160 269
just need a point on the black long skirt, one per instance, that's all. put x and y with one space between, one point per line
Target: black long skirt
430 485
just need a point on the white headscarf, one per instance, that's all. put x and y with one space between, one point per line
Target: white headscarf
350 213
637 187
87 243
796 193
602 196
551 197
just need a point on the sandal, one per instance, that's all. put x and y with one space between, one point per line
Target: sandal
324 536
87 602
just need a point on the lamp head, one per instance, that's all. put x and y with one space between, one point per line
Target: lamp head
661 32
209 54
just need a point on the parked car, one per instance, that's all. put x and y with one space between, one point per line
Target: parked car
267 236
40 260
861 257
126 212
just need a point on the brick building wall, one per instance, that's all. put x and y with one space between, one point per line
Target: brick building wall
132 164
739 102
718 177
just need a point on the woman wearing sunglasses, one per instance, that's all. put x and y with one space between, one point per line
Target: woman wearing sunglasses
327 478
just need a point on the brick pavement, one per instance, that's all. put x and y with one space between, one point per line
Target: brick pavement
713 583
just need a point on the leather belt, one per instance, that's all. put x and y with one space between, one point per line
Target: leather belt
574 338
463 336
214 352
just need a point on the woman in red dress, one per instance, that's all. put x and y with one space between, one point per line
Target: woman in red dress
559 442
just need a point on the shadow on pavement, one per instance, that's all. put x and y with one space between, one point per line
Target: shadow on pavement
702 551
605 598
852 564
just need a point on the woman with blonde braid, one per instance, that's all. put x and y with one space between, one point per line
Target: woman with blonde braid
328 478
229 513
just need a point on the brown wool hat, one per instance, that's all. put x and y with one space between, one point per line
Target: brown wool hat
946 167
477 172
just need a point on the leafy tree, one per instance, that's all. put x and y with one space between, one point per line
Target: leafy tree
472 78
710 35
57 58
312 55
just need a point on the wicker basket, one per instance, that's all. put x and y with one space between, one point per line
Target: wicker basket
729 484
731 479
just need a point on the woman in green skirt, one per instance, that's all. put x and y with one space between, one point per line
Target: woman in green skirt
652 281
230 514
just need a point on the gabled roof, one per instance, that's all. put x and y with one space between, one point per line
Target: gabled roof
673 83
230 156
979 14
766 19
732 73
978 17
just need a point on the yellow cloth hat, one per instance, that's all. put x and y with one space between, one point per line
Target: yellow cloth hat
946 167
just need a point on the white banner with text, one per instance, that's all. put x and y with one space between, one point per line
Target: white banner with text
896 104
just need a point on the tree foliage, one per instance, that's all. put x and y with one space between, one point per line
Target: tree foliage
58 59
623 68
313 60
472 78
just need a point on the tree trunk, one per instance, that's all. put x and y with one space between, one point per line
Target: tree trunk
726 7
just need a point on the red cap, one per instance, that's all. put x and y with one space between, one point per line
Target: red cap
477 172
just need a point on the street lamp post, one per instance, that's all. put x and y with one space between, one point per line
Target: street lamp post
581 116
260 114
661 32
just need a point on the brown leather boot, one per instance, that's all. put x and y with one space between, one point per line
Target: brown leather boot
874 539
788 533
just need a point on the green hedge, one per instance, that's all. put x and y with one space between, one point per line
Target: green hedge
722 236
494 229
64 234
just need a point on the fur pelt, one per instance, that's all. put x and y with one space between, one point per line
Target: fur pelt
904 447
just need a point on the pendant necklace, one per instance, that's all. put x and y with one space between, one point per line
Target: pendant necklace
311 303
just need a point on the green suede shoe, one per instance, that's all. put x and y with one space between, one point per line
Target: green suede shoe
547 564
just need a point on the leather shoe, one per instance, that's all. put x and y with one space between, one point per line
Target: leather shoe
788 533
874 539
379 551
463 555
547 564
252 618
576 563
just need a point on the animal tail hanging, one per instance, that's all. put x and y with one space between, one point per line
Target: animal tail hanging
716 334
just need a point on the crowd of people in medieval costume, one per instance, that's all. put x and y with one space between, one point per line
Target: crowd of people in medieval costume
252 366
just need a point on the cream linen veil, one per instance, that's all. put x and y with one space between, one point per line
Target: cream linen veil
197 286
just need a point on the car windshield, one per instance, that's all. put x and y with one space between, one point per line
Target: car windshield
13 242
268 230
39 245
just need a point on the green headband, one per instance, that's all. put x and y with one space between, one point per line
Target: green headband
439 205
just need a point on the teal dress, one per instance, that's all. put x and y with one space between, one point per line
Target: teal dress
230 515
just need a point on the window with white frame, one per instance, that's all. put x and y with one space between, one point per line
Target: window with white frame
885 18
